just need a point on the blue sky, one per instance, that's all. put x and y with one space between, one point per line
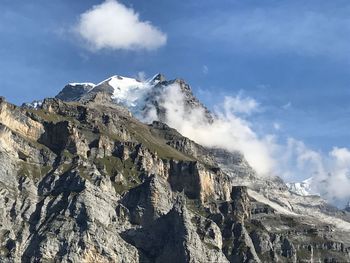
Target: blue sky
292 57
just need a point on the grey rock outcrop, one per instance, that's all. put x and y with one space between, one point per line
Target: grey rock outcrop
84 181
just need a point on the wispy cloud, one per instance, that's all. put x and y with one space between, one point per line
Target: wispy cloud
287 105
330 172
338 179
291 160
111 25
240 105
205 69
276 126
141 75
228 131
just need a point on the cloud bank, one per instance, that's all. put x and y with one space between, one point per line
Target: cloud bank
227 131
231 130
330 172
335 184
111 25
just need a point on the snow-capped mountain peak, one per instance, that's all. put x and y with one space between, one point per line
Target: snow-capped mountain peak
143 98
33 105
124 90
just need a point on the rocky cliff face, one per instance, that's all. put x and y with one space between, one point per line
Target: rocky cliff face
84 181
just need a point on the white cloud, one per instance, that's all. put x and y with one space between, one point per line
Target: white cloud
141 75
239 104
228 131
111 25
330 172
341 155
206 93
338 179
296 160
292 160
287 105
276 126
205 69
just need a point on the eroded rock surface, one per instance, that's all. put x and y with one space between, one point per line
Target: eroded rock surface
83 181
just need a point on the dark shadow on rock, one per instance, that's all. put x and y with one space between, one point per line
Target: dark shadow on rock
162 241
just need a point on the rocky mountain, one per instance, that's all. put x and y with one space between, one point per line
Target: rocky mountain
140 97
74 91
83 180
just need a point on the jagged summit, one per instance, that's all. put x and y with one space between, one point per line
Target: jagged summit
126 91
158 78
74 91
122 89
139 96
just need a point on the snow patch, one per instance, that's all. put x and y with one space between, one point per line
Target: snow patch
81 84
130 92
84 84
277 207
303 188
313 213
36 104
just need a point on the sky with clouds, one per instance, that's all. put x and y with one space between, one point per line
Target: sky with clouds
287 61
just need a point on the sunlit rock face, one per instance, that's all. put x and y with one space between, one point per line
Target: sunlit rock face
83 180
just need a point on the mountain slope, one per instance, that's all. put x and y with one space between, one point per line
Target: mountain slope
82 180
140 97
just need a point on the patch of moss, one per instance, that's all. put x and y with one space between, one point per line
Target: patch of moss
265 257
142 134
251 226
45 169
211 246
113 166
65 167
303 254
327 255
48 260
196 207
115 137
110 164
314 239
4 251
84 173
88 134
47 116
122 188
227 244
31 170
66 154
289 221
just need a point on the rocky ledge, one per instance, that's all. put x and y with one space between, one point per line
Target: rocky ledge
86 182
